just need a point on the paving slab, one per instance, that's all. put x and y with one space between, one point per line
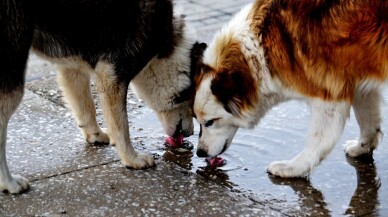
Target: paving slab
112 190
72 178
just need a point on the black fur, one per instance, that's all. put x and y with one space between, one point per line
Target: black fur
196 55
125 33
15 39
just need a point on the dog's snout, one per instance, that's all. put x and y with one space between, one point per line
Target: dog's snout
225 146
178 129
201 153
187 133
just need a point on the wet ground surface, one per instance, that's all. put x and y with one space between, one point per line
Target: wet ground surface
55 155
69 177
339 186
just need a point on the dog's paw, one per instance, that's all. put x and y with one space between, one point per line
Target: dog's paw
141 161
17 185
98 138
354 149
287 169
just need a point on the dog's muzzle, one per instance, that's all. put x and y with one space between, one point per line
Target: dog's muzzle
179 130
201 153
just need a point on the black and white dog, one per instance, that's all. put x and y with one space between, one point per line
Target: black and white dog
137 41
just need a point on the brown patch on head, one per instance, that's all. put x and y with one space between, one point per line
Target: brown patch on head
233 85
205 71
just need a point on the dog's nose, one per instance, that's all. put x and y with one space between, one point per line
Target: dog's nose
187 133
201 153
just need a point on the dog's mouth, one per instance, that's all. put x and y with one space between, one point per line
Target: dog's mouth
225 146
216 161
203 153
175 141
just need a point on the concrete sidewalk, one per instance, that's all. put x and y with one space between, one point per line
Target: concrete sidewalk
69 177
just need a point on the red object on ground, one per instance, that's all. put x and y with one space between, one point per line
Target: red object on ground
174 142
216 161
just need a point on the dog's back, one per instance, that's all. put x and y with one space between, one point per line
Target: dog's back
324 48
103 30
92 30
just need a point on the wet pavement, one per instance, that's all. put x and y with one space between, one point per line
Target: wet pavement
69 177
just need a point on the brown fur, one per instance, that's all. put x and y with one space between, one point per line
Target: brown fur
233 84
331 53
323 48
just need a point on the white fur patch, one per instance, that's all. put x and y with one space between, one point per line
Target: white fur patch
326 127
162 80
237 26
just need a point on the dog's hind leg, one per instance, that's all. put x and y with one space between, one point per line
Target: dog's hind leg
75 85
113 94
366 107
327 124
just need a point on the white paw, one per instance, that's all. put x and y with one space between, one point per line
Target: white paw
354 149
16 185
141 161
100 137
288 169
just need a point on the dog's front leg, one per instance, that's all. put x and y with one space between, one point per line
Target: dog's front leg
113 94
8 103
327 123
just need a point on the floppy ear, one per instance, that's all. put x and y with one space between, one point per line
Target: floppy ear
196 64
235 90
196 55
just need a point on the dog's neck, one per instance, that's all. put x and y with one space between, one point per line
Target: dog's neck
271 90
162 79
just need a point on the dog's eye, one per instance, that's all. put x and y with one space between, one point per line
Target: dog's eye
209 123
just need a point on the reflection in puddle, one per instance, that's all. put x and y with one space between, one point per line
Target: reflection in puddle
364 201
217 175
365 198
182 158
311 199
340 186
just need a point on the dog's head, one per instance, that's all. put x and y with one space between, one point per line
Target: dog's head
166 84
226 95
179 118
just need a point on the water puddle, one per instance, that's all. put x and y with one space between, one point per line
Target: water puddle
339 186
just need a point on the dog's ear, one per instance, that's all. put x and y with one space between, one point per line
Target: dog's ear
196 65
196 55
235 90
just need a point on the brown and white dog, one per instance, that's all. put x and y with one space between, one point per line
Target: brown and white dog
331 54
